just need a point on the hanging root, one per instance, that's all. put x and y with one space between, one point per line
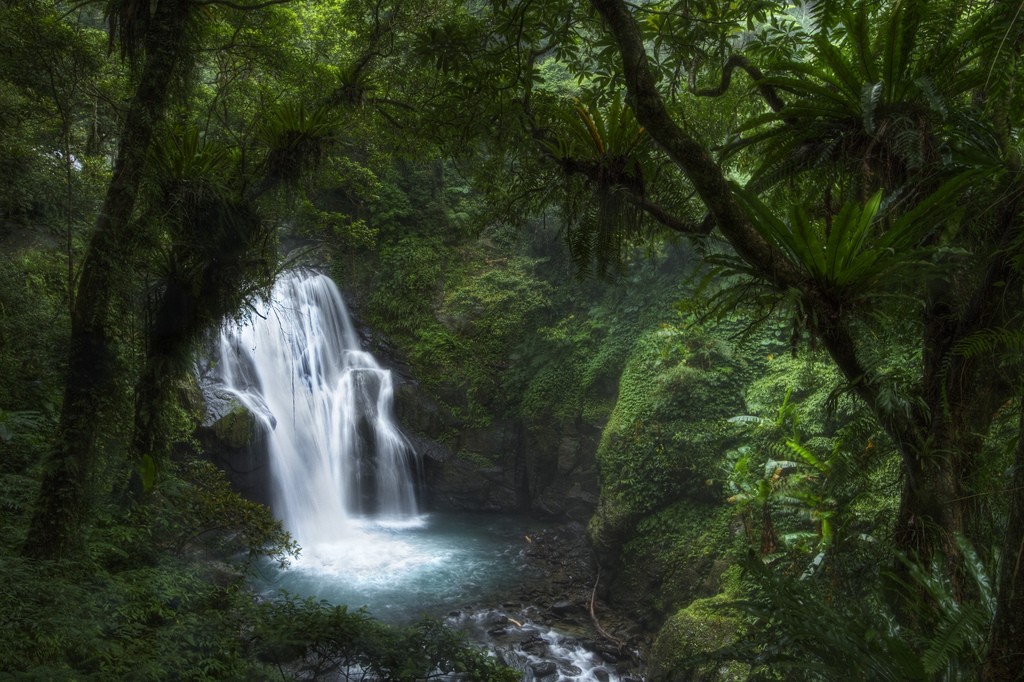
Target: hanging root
593 616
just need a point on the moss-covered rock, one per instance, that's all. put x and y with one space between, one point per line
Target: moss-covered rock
662 523
701 628
230 438
675 555
234 429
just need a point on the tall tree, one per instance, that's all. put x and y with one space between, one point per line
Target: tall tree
69 471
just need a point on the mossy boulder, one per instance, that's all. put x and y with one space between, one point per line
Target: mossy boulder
675 555
230 437
662 522
235 428
699 629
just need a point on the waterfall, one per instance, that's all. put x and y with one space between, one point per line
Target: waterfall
336 454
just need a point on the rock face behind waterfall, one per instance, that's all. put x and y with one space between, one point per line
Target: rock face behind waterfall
546 467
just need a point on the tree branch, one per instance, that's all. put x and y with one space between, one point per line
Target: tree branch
692 158
767 92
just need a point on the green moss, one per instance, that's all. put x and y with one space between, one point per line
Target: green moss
662 520
811 381
699 629
234 429
665 437
675 555
476 458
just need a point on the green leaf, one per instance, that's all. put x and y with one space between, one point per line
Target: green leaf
147 472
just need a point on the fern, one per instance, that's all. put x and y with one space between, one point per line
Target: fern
990 341
16 425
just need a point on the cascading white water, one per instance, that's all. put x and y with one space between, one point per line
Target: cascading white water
336 454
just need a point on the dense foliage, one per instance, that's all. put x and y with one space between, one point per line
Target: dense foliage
811 409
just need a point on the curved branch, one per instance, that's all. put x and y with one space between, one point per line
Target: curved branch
692 158
768 93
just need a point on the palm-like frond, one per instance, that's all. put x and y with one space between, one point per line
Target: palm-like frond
609 147
297 138
862 99
184 156
858 253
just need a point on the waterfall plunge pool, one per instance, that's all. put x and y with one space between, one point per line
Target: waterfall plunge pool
343 481
429 565
501 579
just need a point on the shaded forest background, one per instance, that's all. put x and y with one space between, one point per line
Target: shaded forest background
767 255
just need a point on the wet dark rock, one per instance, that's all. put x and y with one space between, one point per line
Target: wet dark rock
534 645
545 466
544 669
493 619
610 652
562 608
498 632
507 657
600 674
230 436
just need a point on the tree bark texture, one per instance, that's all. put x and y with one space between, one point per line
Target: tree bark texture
93 382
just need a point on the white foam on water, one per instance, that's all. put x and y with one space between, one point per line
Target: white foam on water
375 553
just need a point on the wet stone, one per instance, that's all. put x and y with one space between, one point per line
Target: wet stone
544 669
563 607
533 645
610 652
496 619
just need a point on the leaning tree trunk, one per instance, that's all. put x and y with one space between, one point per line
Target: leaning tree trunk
92 385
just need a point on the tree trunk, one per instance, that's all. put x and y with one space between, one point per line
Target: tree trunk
93 384
931 513
1005 659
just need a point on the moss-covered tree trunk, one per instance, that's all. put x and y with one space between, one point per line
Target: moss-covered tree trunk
93 382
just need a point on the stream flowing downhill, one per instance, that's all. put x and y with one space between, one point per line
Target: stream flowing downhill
344 483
